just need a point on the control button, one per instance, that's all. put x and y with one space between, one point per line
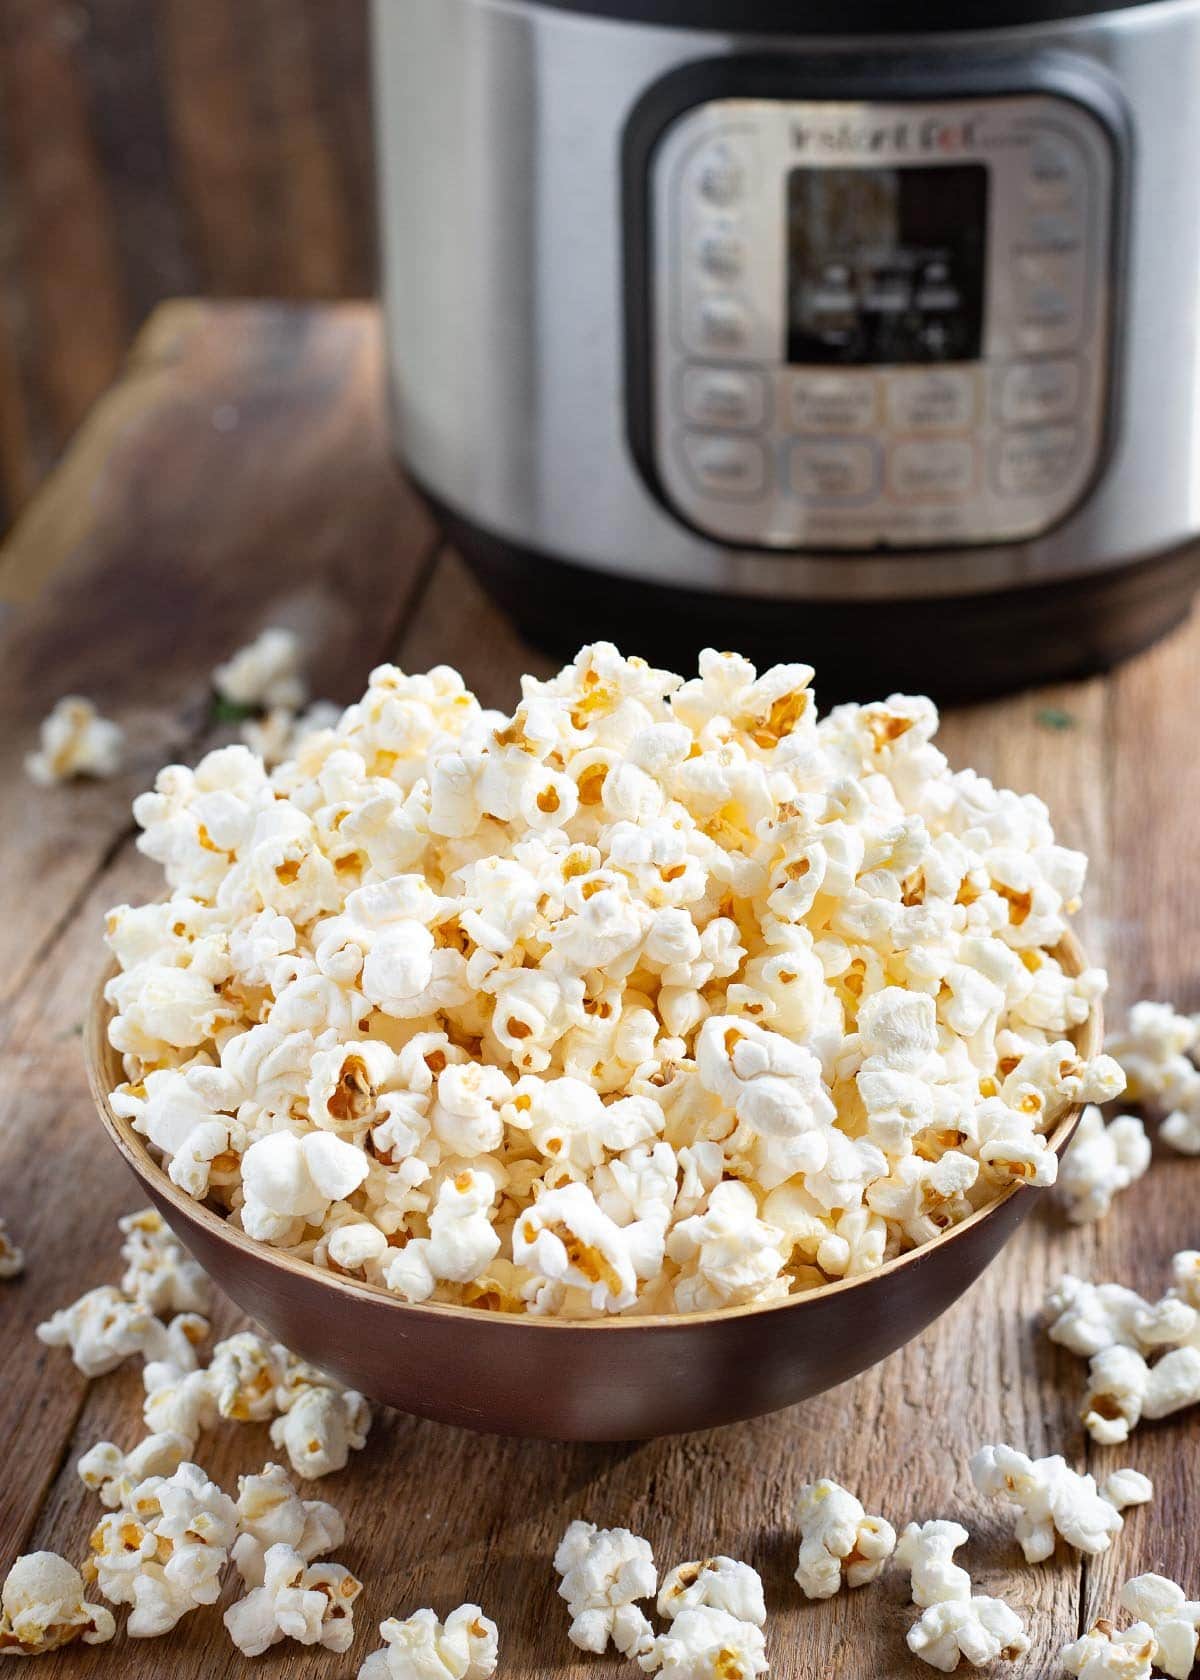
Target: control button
1053 169
940 400
720 175
1054 231
922 471
836 471
724 397
720 323
833 402
1048 302
725 466
1035 463
722 253
1040 391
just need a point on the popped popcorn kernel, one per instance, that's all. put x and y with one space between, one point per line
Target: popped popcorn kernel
42 1608
605 1571
840 1542
76 741
464 1647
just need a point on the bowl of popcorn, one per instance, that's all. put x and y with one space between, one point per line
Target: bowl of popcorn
656 1055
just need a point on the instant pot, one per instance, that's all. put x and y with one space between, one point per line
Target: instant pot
857 333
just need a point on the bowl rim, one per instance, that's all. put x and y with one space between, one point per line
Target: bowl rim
99 1057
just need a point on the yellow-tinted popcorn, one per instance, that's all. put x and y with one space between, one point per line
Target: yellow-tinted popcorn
76 741
42 1608
312 1603
652 995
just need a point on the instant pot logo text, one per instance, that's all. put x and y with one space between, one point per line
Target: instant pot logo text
896 137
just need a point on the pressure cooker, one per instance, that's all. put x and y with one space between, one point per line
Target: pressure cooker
859 333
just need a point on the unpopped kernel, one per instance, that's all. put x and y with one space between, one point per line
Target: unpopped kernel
654 995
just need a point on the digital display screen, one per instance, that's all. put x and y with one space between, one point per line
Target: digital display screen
886 265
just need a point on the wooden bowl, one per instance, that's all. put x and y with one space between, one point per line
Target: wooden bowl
603 1380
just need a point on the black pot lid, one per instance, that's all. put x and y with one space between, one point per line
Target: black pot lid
802 18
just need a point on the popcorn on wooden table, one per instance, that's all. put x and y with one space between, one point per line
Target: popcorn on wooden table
1053 1499
1100 1161
605 1572
955 1622
839 1541
654 995
12 1257
464 1647
42 1608
76 741
312 1603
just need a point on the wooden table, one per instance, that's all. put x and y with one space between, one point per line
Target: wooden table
238 475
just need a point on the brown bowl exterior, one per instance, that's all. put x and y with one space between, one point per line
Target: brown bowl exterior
605 1380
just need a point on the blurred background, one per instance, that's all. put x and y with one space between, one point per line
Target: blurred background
158 148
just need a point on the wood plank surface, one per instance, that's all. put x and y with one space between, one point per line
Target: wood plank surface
280 508
155 147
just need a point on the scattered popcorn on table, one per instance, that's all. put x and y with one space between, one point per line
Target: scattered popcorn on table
655 995
704 1643
267 672
1104 1654
605 1571
12 1258
1153 1053
104 1328
164 1550
114 1474
1172 1617
464 1647
954 1622
1101 1160
312 1603
839 1541
1144 1356
1054 1499
159 1272
272 1513
716 1583
76 741
42 1608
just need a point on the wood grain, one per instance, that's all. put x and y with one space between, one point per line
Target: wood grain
151 148
434 1514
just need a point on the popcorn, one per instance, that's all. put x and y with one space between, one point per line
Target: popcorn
42 1608
654 995
706 1643
1052 1498
604 1572
1100 1161
158 1272
320 1424
954 1622
1123 1389
281 732
12 1258
464 1647
103 1329
113 1474
1153 1052
75 741
1172 1617
981 1629
1181 1128
312 1603
265 673
717 1583
271 1513
1104 1654
839 1541
165 1550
